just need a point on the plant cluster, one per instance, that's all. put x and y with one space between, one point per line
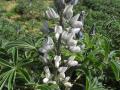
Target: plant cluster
62 56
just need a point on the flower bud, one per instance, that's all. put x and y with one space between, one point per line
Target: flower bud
77 24
62 69
50 41
62 75
58 29
75 49
51 14
65 35
45 80
68 12
47 72
68 84
72 63
57 61
75 30
67 79
75 18
72 42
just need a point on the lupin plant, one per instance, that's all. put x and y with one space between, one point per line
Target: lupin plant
64 36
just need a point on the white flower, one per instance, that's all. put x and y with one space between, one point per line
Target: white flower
68 84
62 75
57 35
51 13
65 35
68 12
72 42
75 49
58 31
77 24
75 30
45 80
62 69
50 41
67 79
47 72
47 46
57 60
72 63
75 18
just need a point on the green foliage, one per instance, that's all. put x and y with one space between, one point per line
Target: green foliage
30 8
105 14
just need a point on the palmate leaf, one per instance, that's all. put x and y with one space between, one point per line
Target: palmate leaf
19 44
3 78
24 62
24 74
5 63
11 80
48 87
15 55
93 84
116 69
